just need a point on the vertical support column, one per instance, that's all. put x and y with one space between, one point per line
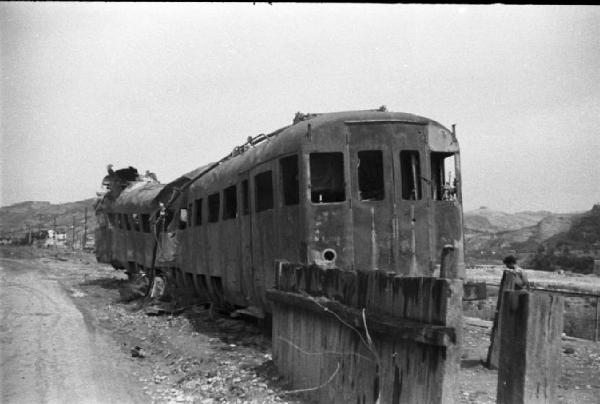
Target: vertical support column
529 365
597 320
507 283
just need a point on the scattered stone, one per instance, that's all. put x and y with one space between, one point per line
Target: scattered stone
137 352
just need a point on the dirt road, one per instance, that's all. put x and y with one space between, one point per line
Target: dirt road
49 352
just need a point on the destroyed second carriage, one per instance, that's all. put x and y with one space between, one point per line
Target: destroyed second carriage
361 191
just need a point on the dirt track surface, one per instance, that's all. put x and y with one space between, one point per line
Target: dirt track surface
197 356
49 353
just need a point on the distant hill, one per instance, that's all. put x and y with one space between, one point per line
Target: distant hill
489 234
18 219
485 219
541 238
488 231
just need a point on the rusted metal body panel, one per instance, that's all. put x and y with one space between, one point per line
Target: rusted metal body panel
140 198
130 238
394 230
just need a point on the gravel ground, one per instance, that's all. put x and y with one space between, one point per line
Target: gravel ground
203 357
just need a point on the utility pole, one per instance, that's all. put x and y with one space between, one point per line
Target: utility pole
73 242
84 240
54 241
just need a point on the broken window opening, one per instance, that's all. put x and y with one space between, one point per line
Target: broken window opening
370 175
136 221
198 211
183 218
245 198
290 185
411 175
327 177
230 203
164 218
111 220
263 188
102 219
214 205
443 177
145 223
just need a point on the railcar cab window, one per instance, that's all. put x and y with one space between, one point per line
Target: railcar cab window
198 212
183 218
370 175
327 177
290 186
230 203
443 177
214 205
245 198
126 220
263 190
411 175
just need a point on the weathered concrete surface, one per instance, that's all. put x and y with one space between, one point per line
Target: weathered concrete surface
48 352
529 369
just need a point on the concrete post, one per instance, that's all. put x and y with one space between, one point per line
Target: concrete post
529 367
507 283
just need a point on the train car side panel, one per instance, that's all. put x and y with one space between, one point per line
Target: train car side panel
373 189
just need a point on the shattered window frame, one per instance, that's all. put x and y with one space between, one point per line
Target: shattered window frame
327 177
230 202
444 186
145 222
198 212
214 206
370 175
289 174
135 220
111 219
263 191
410 175
183 218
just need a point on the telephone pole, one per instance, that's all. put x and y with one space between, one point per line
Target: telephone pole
54 238
73 242
84 240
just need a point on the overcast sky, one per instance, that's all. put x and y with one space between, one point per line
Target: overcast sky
171 87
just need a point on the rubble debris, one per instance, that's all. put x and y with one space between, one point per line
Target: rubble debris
134 289
160 308
137 352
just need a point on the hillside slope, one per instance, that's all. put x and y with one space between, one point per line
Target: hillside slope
16 220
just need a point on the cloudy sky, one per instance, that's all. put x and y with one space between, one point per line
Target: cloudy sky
170 87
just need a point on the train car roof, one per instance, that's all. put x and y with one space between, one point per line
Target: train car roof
139 197
375 115
288 136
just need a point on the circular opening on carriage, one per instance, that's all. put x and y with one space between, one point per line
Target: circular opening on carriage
329 254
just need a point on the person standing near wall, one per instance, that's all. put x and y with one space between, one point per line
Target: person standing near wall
513 278
520 277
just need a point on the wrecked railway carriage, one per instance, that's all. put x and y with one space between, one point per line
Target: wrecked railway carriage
361 191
